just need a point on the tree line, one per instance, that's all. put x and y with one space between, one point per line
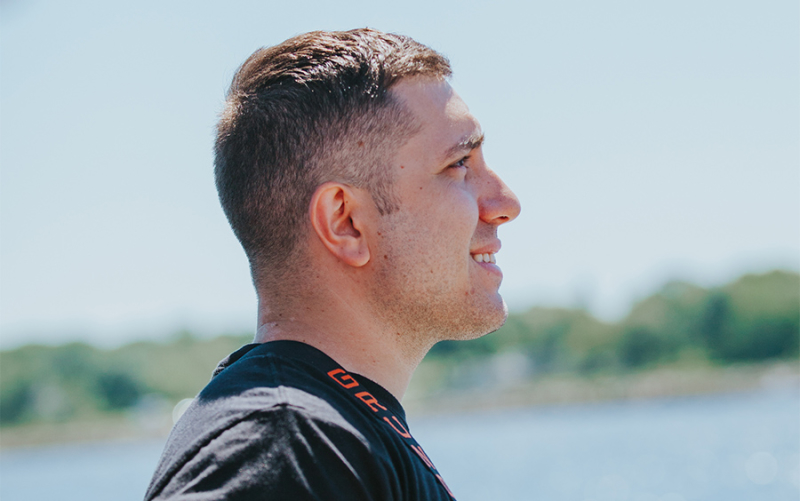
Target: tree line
752 319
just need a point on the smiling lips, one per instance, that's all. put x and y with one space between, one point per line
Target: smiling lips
484 258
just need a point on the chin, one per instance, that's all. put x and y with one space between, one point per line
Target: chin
482 320
501 315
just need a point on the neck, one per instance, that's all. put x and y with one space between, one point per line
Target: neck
347 333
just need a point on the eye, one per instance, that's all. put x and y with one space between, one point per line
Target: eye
461 163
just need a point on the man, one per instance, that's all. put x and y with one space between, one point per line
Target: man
353 176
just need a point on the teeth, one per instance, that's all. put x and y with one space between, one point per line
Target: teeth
484 258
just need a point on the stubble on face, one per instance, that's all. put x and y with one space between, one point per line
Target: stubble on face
423 295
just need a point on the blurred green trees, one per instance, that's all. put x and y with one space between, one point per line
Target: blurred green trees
79 381
754 318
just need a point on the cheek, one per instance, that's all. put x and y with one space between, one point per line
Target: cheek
437 228
456 218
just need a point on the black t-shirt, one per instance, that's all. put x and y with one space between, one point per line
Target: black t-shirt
282 420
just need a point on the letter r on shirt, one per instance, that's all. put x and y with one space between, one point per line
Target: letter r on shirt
371 401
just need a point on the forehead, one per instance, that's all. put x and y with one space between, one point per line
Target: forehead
446 125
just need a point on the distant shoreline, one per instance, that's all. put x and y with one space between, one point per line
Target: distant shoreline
659 382
662 382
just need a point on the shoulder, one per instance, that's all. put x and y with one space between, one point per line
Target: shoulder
270 425
285 452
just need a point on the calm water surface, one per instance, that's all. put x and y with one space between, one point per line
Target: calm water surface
728 448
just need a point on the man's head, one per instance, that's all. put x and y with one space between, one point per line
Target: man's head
313 109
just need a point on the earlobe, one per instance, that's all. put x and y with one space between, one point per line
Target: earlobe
336 218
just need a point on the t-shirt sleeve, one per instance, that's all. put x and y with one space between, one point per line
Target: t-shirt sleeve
283 453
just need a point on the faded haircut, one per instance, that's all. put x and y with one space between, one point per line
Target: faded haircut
313 109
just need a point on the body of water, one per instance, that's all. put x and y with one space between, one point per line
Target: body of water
726 447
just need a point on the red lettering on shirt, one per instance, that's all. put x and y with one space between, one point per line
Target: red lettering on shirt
371 401
422 455
347 380
404 433
445 485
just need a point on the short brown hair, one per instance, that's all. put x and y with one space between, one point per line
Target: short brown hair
313 109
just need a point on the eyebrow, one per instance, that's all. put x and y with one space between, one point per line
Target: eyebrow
467 143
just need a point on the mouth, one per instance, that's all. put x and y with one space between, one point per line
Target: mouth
487 257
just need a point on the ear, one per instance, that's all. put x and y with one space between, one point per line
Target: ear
337 217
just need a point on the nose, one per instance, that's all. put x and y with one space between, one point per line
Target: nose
496 202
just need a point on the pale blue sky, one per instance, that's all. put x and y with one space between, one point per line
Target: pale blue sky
646 141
